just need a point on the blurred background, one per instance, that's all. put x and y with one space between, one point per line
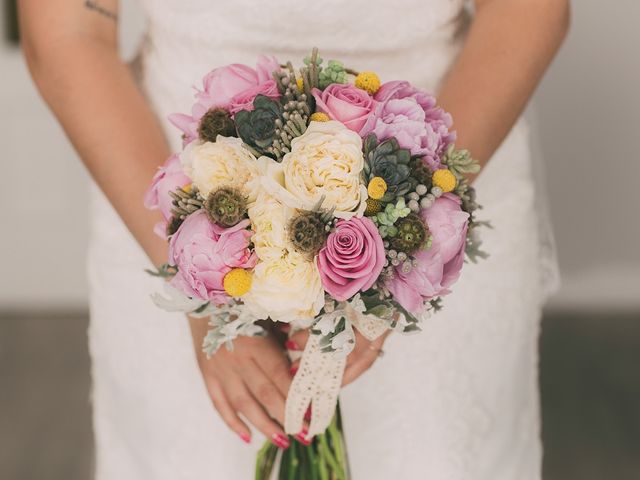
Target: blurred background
587 113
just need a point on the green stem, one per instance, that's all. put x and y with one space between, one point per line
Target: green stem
293 462
313 463
265 461
326 452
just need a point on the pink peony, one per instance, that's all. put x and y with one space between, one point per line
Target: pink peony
413 117
232 87
438 267
168 177
204 252
352 258
346 104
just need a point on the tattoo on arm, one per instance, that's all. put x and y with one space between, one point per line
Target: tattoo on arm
96 7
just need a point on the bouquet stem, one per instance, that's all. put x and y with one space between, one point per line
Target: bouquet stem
324 459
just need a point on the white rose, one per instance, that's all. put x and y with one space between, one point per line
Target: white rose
225 163
285 289
327 161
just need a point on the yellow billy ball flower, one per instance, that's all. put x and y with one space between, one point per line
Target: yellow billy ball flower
300 83
319 117
445 180
377 188
368 81
237 282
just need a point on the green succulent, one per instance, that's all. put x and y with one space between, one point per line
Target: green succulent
390 162
257 128
460 162
216 122
412 234
226 207
334 72
386 219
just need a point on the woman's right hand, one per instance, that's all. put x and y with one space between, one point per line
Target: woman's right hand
252 381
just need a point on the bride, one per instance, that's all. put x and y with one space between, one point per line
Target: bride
460 400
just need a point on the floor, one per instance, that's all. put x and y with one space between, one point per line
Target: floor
589 378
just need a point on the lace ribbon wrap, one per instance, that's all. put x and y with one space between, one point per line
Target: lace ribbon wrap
319 377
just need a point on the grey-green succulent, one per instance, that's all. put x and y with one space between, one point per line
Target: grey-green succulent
257 128
390 162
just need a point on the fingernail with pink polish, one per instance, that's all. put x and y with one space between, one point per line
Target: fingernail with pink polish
246 438
303 440
302 437
293 371
280 440
307 414
291 345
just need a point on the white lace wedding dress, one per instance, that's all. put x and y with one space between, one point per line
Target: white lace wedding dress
458 401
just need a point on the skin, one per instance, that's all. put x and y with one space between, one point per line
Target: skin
71 50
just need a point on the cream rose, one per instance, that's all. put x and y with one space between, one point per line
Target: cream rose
327 161
285 289
269 220
225 163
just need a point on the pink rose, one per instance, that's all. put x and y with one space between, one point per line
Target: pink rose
345 103
168 177
413 117
352 259
232 87
438 267
204 252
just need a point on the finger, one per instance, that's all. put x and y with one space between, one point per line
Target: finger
363 356
298 341
242 400
273 361
263 389
226 412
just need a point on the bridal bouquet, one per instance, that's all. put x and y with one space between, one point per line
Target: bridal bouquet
322 198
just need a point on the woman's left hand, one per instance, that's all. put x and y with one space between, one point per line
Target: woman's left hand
363 356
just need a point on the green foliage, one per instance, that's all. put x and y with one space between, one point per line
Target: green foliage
163 271
334 72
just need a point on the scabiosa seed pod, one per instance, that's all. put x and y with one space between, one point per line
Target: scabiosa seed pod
308 233
216 122
411 236
173 225
420 171
226 207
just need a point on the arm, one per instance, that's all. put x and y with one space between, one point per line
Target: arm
71 49
72 53
508 48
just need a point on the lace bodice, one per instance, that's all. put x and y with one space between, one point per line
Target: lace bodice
408 39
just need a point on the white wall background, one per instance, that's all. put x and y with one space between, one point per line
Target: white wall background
588 109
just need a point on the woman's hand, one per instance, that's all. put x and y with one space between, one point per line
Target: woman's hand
252 380
363 356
